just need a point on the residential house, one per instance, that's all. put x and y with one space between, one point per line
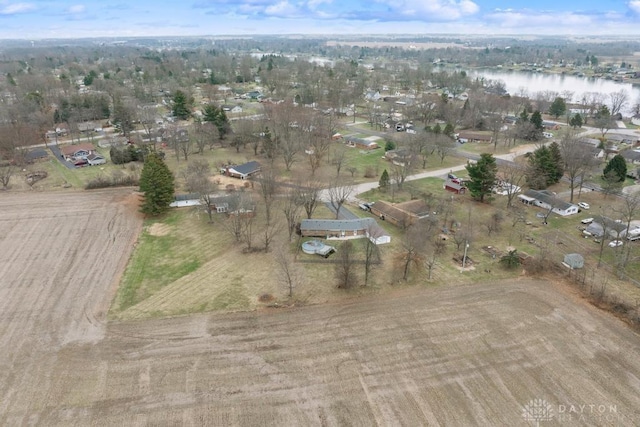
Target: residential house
400 214
399 157
344 229
595 150
550 125
635 120
90 126
547 200
631 156
602 225
466 136
511 120
243 171
372 96
364 144
76 152
96 159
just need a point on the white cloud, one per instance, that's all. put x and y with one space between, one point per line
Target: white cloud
77 8
313 4
634 5
433 9
282 9
528 20
15 8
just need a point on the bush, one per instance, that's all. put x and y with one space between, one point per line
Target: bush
117 179
370 172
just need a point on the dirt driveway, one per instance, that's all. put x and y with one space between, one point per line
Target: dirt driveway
454 356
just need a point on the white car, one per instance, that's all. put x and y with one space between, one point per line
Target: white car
587 221
584 205
615 243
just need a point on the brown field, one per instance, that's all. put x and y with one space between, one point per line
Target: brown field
445 355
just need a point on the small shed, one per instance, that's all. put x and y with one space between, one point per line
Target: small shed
573 261
455 186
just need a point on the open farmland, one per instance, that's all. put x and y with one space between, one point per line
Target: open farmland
456 355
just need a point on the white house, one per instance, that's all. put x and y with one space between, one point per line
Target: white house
96 159
546 200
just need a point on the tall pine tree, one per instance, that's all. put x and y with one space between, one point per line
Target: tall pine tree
616 165
482 176
157 184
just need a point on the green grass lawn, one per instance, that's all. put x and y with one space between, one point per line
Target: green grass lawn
158 261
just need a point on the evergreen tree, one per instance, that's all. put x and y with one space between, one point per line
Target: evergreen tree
618 166
218 117
558 107
384 180
536 119
482 175
576 121
389 145
546 167
437 129
157 184
181 107
448 130
556 167
524 116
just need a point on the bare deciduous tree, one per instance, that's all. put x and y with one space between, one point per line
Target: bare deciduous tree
291 210
346 267
371 252
513 176
628 211
577 160
198 180
287 269
308 196
412 252
494 223
338 195
618 101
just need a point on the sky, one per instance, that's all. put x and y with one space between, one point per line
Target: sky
40 19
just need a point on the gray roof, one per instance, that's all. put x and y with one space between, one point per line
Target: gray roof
247 168
337 224
548 197
631 155
600 222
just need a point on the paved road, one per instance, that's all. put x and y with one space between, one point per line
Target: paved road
345 213
58 155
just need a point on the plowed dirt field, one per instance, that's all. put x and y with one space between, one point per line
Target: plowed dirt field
453 356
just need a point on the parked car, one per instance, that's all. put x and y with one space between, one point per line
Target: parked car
584 205
615 243
587 221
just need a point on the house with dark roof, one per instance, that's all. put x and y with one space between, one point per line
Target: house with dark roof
345 229
631 156
547 200
242 171
602 225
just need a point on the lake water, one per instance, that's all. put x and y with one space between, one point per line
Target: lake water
531 83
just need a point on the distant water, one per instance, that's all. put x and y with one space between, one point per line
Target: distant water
531 83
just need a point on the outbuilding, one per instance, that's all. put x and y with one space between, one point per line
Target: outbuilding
573 261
